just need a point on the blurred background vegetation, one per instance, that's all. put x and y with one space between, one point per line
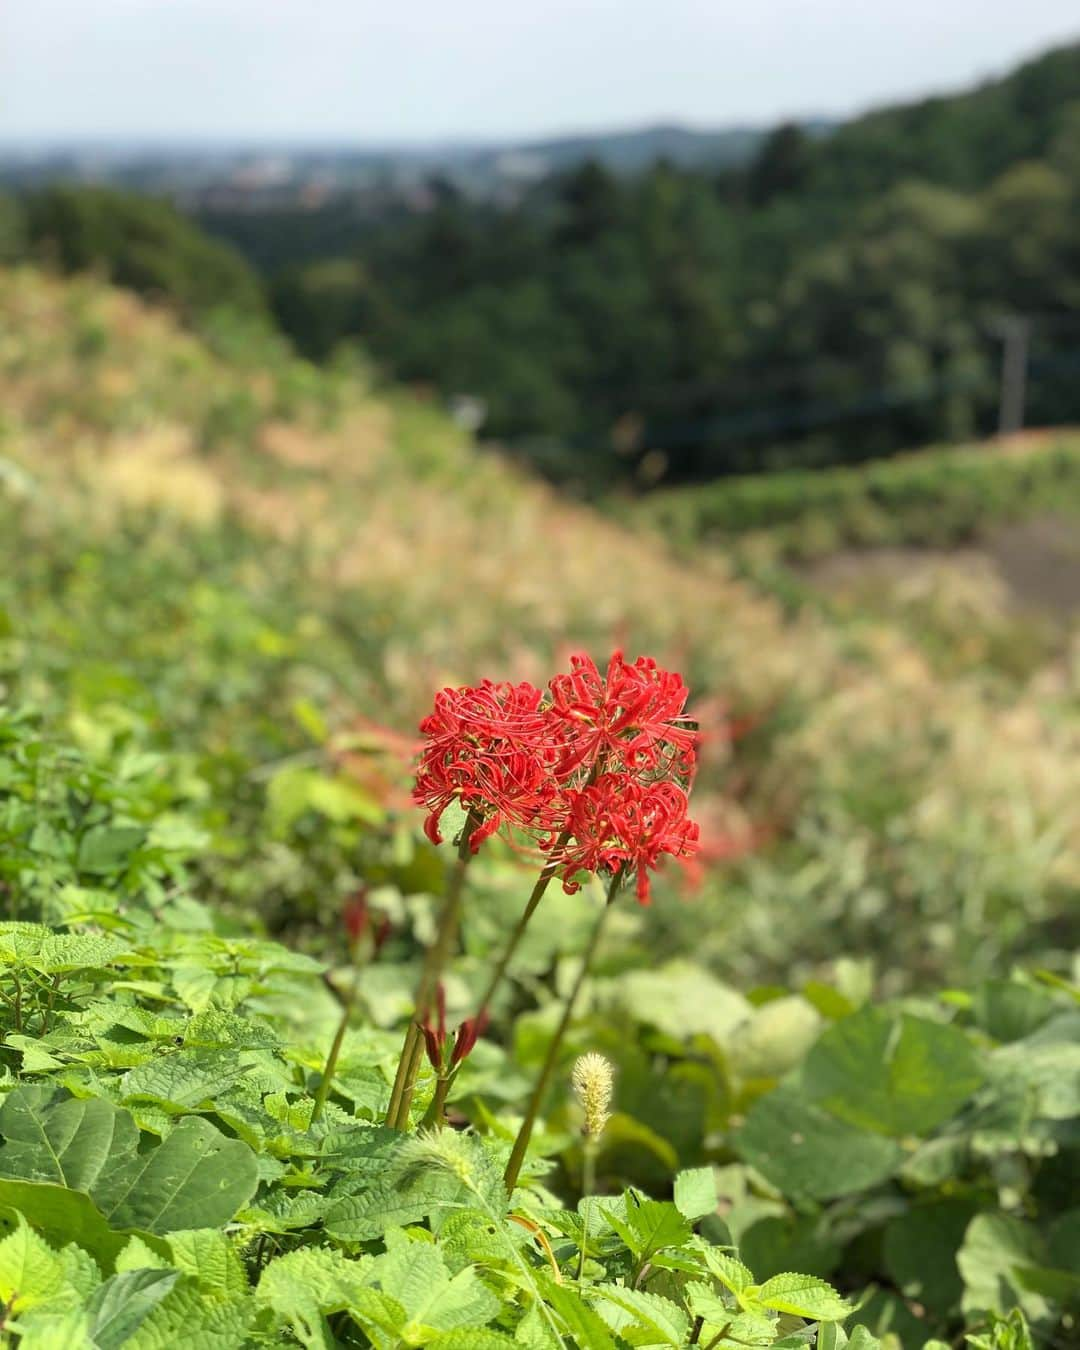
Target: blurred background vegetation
270 477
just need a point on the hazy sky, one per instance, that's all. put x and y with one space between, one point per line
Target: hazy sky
428 69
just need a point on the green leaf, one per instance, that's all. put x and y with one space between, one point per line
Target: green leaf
896 1075
50 1137
183 1080
196 1178
663 1321
649 1227
107 848
803 1296
1009 1010
580 1322
795 1145
695 1192
731 1273
62 1216
31 1273
63 952
996 1247
743 1328
185 1320
211 1260
681 999
920 1249
120 1306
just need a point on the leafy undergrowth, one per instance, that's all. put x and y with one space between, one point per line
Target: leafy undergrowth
165 1172
228 582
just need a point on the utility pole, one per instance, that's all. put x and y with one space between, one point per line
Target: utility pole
1015 333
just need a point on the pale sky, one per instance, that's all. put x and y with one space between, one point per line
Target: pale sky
410 70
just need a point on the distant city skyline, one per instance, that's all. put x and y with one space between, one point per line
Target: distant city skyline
350 72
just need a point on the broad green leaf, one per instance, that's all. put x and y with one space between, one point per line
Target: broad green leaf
124 1302
920 1249
50 1137
1009 1010
803 1296
107 848
63 1216
55 1331
896 1075
695 1192
663 1321
777 1243
775 1038
808 1152
195 1178
995 1248
681 999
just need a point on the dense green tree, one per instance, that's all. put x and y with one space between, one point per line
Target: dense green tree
142 243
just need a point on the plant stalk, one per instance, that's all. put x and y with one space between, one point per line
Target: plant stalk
524 1134
542 882
397 1114
326 1082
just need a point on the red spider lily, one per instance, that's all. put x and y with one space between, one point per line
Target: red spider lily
490 748
619 823
632 717
435 1037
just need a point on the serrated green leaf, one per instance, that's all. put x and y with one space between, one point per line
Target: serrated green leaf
31 1273
803 1296
121 1305
695 1192
185 1320
732 1274
581 1322
664 1321
211 1260
183 1080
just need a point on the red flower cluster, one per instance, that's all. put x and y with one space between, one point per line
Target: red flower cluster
597 771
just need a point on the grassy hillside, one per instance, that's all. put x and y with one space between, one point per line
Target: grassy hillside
212 553
228 586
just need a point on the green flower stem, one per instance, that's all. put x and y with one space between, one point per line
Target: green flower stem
542 883
521 1143
435 1118
588 1186
325 1083
397 1114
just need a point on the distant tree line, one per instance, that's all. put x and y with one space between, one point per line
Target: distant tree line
833 300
